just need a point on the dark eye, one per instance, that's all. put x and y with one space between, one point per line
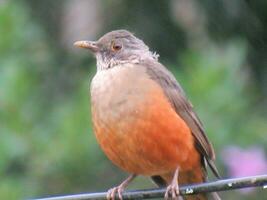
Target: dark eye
116 46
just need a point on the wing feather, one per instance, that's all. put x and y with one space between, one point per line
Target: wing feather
183 108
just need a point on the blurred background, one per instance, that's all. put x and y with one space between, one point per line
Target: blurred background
216 49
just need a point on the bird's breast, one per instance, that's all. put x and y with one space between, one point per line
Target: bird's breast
117 92
135 123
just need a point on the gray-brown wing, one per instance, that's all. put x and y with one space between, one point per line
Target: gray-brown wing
183 108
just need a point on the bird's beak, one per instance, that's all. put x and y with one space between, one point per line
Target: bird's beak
91 45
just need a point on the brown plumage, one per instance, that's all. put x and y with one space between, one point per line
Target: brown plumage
142 118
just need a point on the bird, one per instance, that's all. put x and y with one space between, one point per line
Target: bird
143 120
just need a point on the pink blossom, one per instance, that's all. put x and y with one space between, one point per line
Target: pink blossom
245 162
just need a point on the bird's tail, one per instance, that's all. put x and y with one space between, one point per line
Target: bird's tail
187 177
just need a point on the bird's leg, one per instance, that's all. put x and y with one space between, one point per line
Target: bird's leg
172 191
111 194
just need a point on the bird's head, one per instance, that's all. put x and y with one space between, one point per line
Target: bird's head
117 47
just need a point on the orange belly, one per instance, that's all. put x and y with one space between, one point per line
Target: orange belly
150 140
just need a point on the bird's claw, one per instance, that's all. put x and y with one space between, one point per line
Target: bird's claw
172 192
111 194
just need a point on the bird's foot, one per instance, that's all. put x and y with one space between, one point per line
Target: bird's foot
111 194
172 192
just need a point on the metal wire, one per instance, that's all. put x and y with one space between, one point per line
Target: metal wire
220 185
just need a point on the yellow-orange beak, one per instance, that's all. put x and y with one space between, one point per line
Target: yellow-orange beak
91 45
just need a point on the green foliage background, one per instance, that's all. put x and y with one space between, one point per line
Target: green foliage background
47 145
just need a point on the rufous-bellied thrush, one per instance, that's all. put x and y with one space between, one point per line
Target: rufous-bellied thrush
142 118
